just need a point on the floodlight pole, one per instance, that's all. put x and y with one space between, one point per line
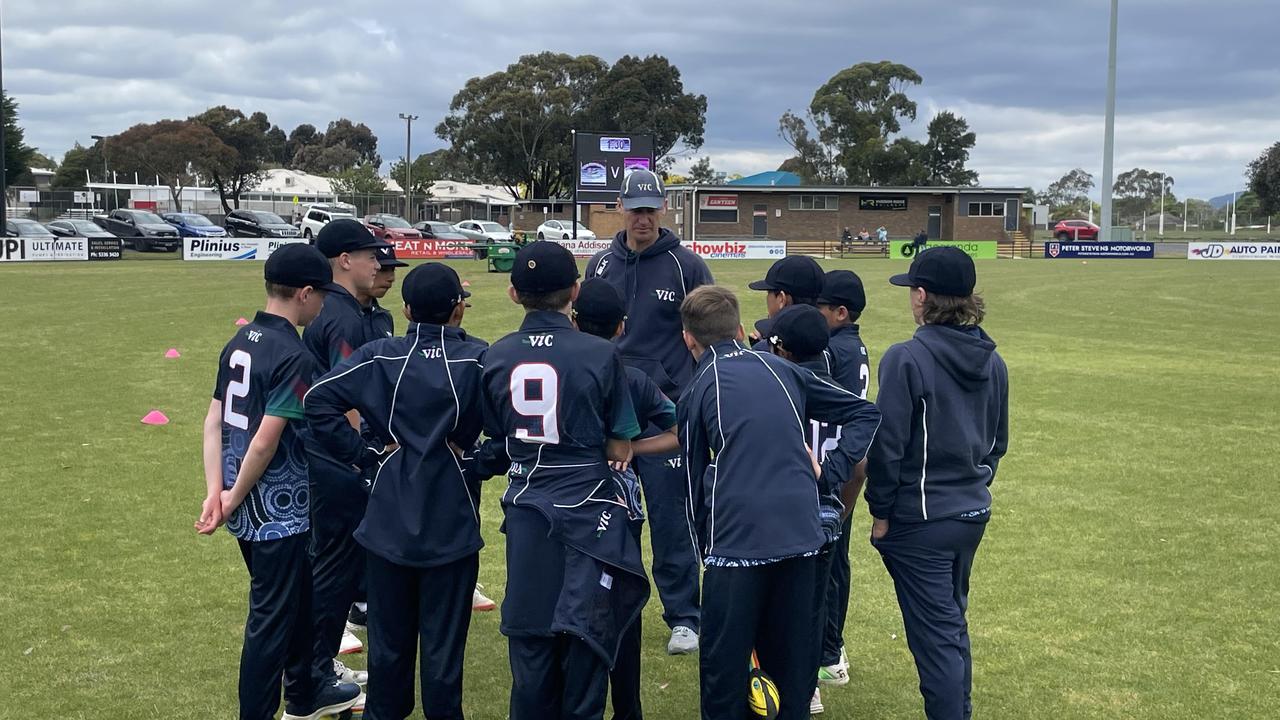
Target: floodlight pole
1161 204
1109 134
1233 213
1184 216
408 165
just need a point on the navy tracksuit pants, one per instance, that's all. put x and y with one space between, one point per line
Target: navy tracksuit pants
412 607
930 564
338 500
277 634
769 608
837 598
675 565
554 676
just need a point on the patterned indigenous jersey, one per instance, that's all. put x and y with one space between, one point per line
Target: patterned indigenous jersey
265 370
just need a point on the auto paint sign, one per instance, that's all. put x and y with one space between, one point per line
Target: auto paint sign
430 249
194 248
1233 251
740 249
25 249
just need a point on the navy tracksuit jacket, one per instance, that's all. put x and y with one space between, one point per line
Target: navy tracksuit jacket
422 525
653 284
944 394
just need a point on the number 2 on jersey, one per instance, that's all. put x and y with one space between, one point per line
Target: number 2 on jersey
535 392
237 389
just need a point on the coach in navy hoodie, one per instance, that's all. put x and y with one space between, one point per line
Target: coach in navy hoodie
944 396
653 273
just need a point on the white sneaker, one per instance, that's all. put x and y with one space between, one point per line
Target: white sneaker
683 641
815 703
837 674
350 644
350 675
480 603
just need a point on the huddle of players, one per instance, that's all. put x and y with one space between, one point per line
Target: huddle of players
557 404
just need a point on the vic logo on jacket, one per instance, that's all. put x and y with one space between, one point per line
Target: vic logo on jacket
539 340
666 295
434 353
603 525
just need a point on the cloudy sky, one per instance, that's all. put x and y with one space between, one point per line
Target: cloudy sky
1198 89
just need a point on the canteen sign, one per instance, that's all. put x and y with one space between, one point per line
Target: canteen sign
1233 251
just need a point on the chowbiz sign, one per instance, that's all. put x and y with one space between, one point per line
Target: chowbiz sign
233 248
25 249
1234 251
739 249
976 249
1059 250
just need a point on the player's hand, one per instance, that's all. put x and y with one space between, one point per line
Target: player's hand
879 528
229 503
210 515
619 465
457 451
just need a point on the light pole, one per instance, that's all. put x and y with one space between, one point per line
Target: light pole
106 178
1161 204
1109 134
408 165
1233 213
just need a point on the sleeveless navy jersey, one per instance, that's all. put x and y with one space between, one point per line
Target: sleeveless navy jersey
265 370
421 391
554 395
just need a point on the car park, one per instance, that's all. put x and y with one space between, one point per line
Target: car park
70 227
436 230
563 230
22 227
1075 230
258 223
486 231
194 225
142 229
386 226
317 216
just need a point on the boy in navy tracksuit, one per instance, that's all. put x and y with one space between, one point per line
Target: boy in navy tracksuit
799 333
945 398
338 494
841 302
793 280
598 311
754 502
256 472
422 525
653 273
557 400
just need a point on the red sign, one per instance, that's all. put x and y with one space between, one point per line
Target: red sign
415 249
144 204
720 201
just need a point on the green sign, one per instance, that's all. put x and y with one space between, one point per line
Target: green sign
976 249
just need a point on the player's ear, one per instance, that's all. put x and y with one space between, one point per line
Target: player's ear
511 293
573 295
741 335
408 314
622 327
690 343
455 318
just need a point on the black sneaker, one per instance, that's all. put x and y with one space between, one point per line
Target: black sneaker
329 700
357 620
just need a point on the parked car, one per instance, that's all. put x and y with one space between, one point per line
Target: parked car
388 227
487 231
22 227
317 216
436 230
563 230
69 227
257 223
193 225
143 230
1075 230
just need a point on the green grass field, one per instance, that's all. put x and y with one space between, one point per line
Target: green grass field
1130 570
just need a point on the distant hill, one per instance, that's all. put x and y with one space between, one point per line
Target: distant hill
1222 201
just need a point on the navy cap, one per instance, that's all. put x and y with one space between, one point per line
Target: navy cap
800 330
843 288
599 302
642 189
431 289
543 266
298 265
346 235
942 270
387 258
798 276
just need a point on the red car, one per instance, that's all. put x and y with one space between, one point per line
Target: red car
391 227
1075 230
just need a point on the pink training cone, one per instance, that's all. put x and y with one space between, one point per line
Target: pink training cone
172 353
466 284
155 417
242 321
